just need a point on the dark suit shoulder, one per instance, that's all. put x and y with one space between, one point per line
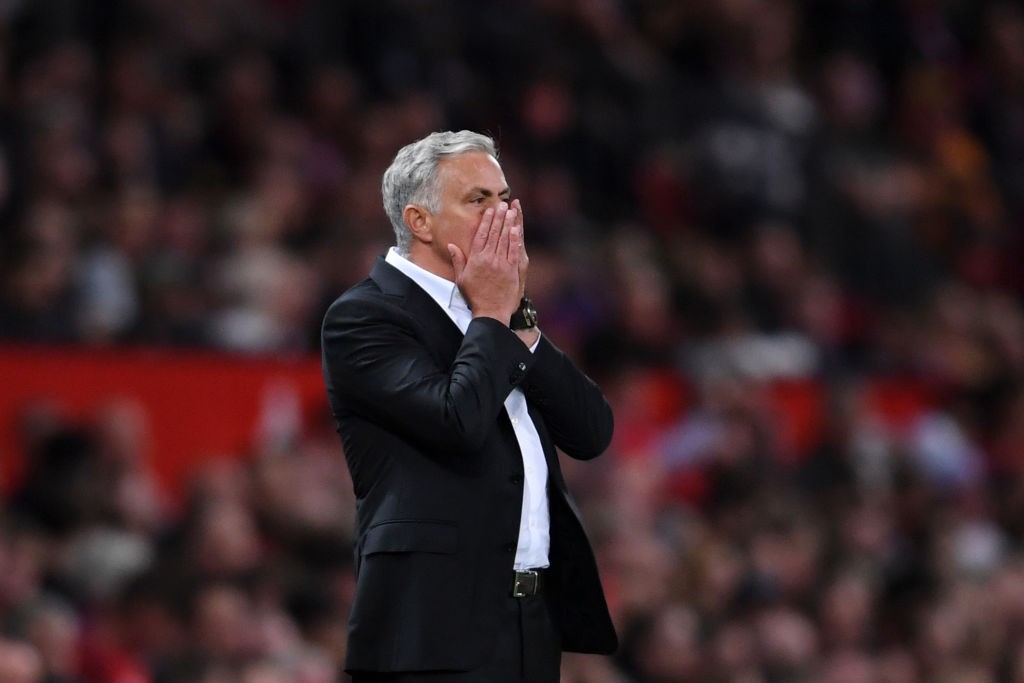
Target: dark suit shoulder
362 298
387 286
361 309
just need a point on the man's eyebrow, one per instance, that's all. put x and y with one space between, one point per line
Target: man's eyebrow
487 193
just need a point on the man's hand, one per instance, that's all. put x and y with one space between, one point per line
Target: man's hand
524 260
491 276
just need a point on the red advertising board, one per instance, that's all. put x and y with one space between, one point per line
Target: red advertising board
194 404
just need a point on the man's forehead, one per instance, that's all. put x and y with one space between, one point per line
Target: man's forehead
472 168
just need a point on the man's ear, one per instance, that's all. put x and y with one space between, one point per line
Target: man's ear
418 220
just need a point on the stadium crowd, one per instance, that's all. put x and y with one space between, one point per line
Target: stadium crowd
720 195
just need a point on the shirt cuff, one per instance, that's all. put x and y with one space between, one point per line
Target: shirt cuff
535 344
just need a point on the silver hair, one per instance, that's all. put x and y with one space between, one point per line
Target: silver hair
412 177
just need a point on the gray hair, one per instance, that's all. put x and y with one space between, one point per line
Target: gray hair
412 177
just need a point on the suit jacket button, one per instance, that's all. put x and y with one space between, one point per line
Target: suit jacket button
516 479
510 547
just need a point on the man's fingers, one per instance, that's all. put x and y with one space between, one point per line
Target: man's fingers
515 242
458 261
504 235
482 231
518 232
497 225
524 266
519 212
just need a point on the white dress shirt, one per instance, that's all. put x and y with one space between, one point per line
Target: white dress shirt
534 522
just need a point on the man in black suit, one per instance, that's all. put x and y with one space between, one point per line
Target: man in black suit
471 561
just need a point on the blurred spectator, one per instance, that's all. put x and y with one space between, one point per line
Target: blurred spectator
19 663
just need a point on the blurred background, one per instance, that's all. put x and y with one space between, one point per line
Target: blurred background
784 235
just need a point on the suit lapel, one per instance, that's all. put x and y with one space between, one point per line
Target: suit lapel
441 335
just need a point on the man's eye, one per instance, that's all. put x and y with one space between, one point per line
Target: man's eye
477 200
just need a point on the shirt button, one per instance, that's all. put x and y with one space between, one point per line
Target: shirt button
515 420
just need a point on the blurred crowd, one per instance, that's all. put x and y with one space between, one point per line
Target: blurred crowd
720 196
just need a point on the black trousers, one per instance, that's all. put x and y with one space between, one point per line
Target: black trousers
528 650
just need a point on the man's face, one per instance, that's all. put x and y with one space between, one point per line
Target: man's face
470 183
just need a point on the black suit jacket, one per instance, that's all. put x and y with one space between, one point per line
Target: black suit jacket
438 476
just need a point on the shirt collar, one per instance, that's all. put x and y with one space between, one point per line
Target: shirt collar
443 291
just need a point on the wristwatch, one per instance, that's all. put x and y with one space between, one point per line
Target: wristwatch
525 317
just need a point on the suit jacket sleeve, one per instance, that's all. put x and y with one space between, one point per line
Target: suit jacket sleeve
377 363
574 409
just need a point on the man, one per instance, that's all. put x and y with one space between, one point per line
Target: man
471 561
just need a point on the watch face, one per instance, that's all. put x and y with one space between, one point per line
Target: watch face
530 315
